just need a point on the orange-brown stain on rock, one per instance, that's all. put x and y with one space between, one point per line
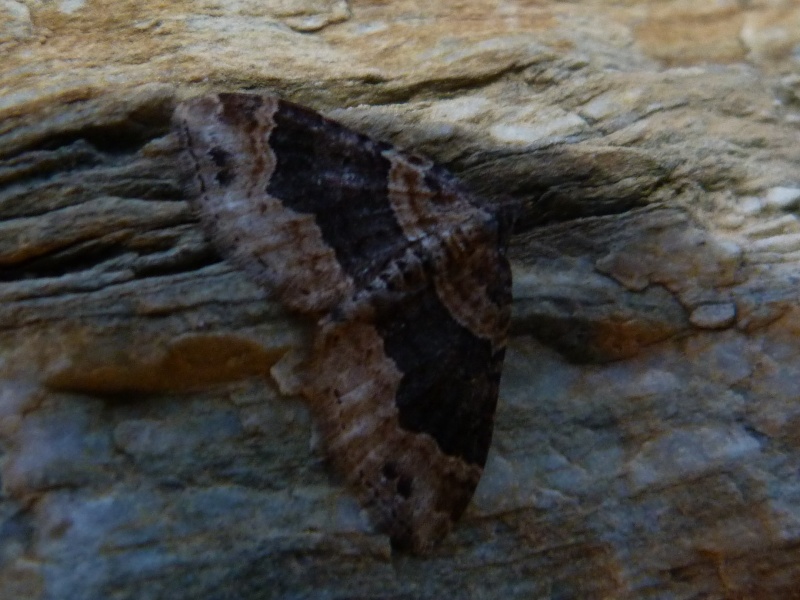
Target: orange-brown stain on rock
191 362
618 339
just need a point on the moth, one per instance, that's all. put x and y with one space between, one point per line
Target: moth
405 274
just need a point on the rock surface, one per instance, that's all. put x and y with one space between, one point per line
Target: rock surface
647 439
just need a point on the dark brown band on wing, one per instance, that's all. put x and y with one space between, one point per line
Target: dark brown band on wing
450 376
340 177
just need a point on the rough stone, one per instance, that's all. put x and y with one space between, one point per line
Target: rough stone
646 443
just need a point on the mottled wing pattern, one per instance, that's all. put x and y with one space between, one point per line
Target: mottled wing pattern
277 205
407 274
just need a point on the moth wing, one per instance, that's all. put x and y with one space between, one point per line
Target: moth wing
408 272
405 396
296 200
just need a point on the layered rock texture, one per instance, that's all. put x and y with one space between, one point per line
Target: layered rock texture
647 441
